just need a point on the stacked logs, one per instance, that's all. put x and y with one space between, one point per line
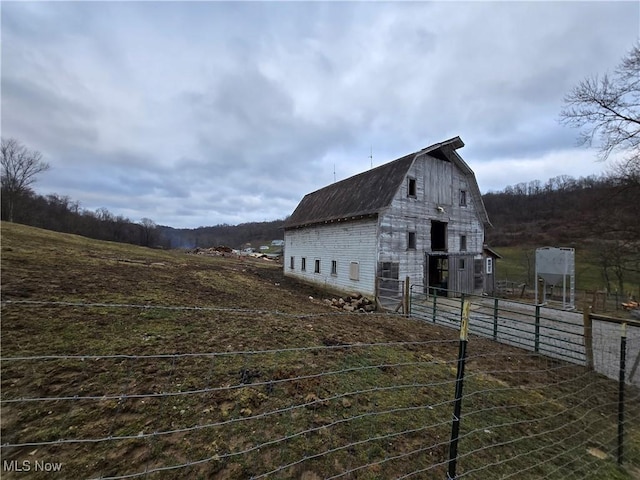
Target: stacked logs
352 303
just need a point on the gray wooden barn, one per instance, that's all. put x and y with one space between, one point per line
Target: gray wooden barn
420 216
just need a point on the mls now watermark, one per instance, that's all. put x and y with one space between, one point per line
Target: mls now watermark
31 466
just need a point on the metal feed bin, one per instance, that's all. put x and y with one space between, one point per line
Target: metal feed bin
557 266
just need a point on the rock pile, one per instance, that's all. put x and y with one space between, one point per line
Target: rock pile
352 303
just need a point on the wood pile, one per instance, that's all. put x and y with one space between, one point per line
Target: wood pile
220 251
352 303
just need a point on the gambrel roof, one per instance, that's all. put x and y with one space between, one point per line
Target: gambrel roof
367 193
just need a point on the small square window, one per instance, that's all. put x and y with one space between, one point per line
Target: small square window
303 265
411 187
292 263
317 268
411 240
463 243
334 267
463 198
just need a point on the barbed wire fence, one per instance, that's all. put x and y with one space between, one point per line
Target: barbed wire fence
330 410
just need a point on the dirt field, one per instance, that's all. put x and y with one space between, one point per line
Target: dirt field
118 360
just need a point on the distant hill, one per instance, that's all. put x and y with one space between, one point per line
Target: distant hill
234 236
563 211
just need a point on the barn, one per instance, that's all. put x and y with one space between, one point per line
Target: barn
420 216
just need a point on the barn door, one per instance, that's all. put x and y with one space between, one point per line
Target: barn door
437 274
389 274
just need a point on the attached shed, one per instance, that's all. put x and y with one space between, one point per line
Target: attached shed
420 216
490 257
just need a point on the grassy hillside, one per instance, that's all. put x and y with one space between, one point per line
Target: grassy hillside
596 216
144 360
518 264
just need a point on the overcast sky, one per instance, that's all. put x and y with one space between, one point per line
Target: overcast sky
200 113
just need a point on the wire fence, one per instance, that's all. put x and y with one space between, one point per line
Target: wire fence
310 409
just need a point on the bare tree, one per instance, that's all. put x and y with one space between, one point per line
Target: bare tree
148 232
607 109
19 169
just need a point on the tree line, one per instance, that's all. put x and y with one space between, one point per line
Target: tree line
251 234
61 214
20 204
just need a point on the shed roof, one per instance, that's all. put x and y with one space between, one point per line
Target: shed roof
367 193
491 251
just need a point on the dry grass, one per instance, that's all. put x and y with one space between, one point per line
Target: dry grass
530 416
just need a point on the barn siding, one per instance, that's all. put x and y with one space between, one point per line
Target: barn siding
438 183
384 241
344 242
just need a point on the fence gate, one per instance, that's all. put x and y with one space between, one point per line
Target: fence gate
392 294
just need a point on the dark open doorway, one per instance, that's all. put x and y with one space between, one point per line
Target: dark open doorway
437 274
438 236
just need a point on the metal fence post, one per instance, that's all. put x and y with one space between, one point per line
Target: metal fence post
588 336
537 339
623 355
435 304
407 297
495 319
457 408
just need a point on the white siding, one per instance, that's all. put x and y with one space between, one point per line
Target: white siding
343 242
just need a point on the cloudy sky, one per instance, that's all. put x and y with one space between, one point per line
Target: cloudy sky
200 113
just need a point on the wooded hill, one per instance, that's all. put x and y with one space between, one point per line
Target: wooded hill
597 215
561 212
564 211
251 234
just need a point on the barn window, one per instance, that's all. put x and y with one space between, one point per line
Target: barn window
390 270
303 265
411 187
411 240
461 263
292 263
334 267
489 265
463 198
354 271
317 267
463 243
